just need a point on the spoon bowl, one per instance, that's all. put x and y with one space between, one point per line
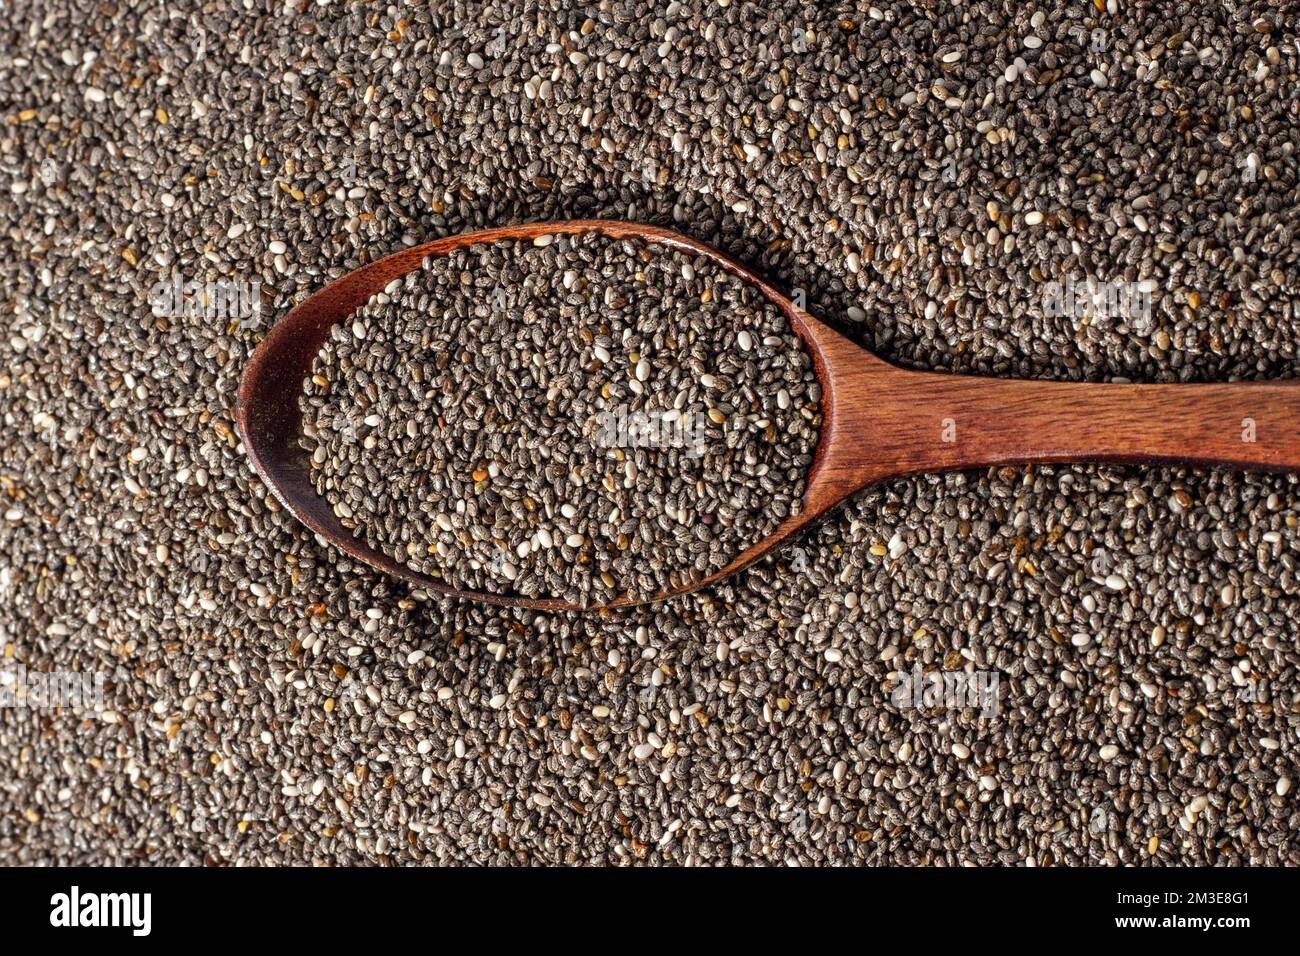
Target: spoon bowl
879 421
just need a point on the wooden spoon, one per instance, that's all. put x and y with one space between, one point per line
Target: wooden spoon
878 421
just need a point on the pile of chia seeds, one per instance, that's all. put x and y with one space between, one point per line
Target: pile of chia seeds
1026 666
564 417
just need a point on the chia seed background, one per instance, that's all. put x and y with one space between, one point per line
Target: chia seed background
919 171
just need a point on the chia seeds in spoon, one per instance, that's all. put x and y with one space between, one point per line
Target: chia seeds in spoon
573 417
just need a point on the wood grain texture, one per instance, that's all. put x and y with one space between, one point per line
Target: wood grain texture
888 421
878 421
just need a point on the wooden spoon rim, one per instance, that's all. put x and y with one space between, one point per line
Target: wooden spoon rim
269 419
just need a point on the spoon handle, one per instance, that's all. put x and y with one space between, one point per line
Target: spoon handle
954 421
